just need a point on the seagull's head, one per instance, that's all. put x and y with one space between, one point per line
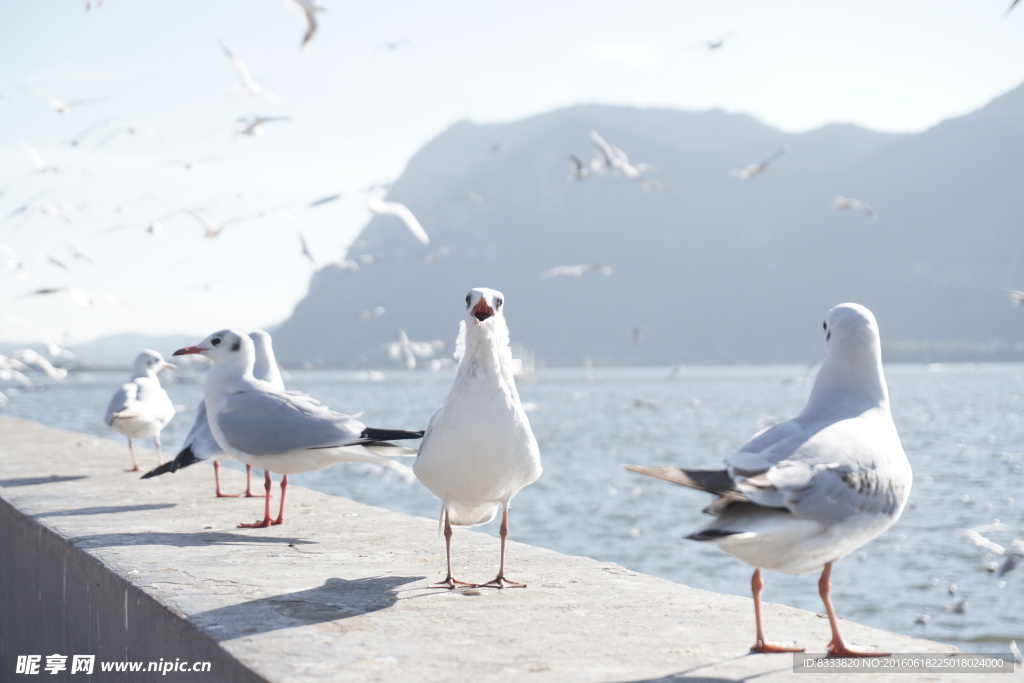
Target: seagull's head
850 323
150 362
483 305
221 346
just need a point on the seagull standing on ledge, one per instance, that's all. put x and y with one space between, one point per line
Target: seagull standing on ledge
479 450
200 443
262 426
802 494
141 407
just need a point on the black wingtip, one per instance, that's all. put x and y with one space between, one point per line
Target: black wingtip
391 434
183 459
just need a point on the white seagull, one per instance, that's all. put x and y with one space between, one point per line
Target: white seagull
141 407
379 207
752 170
479 450
1014 554
309 10
200 443
804 493
253 127
247 85
262 426
848 203
1015 296
576 271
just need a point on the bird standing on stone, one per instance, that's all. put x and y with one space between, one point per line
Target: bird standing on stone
141 408
479 449
200 443
260 425
802 494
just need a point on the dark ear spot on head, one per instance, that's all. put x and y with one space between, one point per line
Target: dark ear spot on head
237 345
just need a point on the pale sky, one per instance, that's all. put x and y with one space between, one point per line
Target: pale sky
360 109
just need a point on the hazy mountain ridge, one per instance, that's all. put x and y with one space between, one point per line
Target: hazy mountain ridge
718 270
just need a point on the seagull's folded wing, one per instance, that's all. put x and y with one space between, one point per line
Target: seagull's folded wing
120 400
266 423
200 439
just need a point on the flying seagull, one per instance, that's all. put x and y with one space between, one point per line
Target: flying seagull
757 169
247 85
847 203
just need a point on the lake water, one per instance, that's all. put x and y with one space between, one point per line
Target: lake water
961 426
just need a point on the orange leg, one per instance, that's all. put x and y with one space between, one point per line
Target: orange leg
500 581
450 582
837 648
266 507
248 484
280 511
756 586
216 478
135 465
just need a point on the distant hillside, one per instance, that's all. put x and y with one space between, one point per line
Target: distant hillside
717 270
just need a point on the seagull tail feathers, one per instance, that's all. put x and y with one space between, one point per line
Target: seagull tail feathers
183 459
713 481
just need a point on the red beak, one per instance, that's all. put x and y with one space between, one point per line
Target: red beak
482 311
187 350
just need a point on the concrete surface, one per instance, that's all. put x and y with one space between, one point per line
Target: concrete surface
94 560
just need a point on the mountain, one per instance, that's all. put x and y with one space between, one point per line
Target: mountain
718 269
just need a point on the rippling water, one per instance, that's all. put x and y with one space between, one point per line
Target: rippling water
961 427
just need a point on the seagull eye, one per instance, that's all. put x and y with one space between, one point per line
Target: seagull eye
215 341
498 302
824 326
468 297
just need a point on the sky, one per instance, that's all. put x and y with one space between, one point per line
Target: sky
377 82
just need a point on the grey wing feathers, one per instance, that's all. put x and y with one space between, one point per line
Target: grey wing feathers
200 439
264 423
119 401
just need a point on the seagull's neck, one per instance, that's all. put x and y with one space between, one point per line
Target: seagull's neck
851 375
487 354
228 377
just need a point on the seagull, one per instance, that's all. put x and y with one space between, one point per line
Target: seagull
1015 296
576 271
77 140
200 443
42 166
60 106
141 407
379 207
958 607
613 158
253 127
309 10
923 619
305 249
846 203
248 86
1014 554
126 130
803 493
404 349
759 168
479 450
578 171
260 425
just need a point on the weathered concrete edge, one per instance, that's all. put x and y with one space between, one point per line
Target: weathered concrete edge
594 618
104 614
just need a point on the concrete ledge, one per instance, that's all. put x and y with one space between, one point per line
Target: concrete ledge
96 561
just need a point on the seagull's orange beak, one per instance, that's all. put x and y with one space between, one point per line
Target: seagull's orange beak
482 311
187 350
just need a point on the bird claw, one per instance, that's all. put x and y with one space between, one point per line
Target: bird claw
842 651
262 524
134 469
452 583
499 582
221 494
762 647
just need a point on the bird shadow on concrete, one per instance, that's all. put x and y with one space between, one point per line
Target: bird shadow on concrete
105 510
337 599
195 539
33 481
